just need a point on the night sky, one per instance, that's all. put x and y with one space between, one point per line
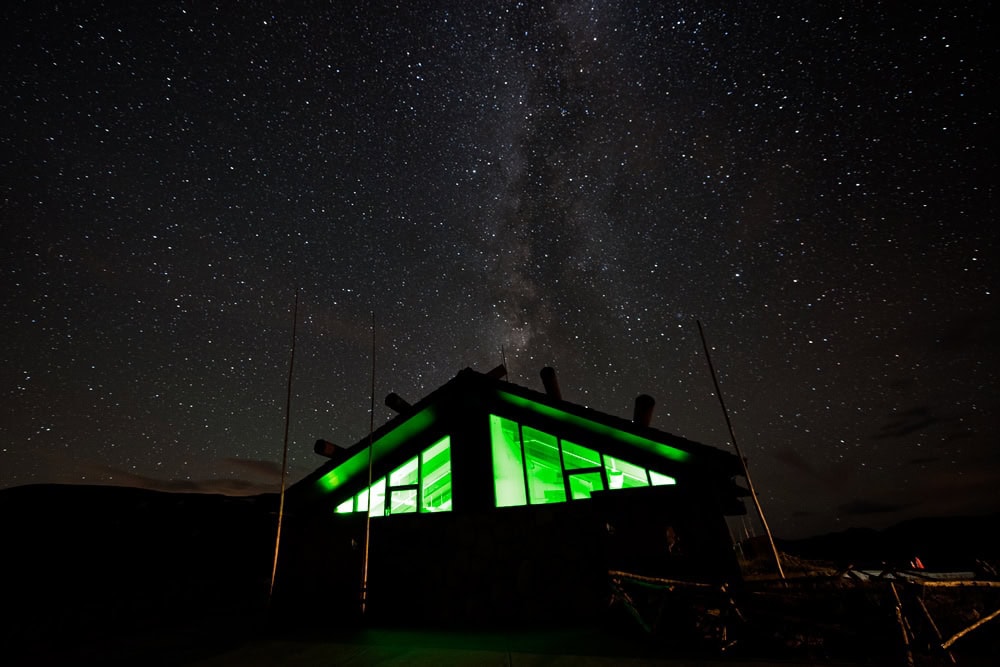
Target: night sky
573 184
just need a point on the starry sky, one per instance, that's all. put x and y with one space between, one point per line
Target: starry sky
562 183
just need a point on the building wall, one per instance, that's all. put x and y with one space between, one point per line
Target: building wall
527 565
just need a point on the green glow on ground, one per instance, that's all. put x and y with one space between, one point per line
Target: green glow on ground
646 444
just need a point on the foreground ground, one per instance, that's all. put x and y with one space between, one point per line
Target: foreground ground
125 577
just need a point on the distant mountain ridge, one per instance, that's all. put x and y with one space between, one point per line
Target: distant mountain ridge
941 543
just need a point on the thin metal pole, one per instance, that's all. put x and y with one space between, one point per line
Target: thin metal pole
284 452
739 454
371 448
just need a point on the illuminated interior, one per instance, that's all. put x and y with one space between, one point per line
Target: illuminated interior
358 463
530 467
537 468
645 444
423 482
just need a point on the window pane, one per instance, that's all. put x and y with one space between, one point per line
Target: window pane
582 484
435 464
403 502
545 475
345 507
660 480
622 475
404 474
576 456
362 504
508 466
378 498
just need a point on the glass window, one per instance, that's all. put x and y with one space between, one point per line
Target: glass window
404 474
435 468
623 475
432 476
660 480
576 456
508 465
582 484
377 506
345 507
362 502
403 501
545 475
533 466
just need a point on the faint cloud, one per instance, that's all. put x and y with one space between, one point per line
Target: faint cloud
270 469
832 477
910 421
229 486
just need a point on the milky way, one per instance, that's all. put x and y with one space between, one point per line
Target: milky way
573 184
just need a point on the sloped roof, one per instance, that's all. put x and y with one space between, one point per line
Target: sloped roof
470 386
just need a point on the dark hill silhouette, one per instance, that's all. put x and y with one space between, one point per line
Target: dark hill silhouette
91 564
120 575
942 543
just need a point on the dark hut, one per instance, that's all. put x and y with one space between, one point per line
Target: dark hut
486 502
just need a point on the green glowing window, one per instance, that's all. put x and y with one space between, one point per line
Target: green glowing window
376 505
346 507
361 501
575 456
622 475
660 480
508 463
403 501
435 469
545 474
404 474
582 484
421 484
530 466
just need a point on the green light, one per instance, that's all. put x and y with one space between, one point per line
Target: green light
582 484
576 456
545 476
508 466
404 474
362 501
646 444
433 476
624 475
377 506
345 507
544 470
660 480
435 468
388 442
403 501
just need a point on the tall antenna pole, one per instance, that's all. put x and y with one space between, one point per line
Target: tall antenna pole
284 452
739 454
371 449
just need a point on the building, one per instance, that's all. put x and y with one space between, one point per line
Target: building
487 502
